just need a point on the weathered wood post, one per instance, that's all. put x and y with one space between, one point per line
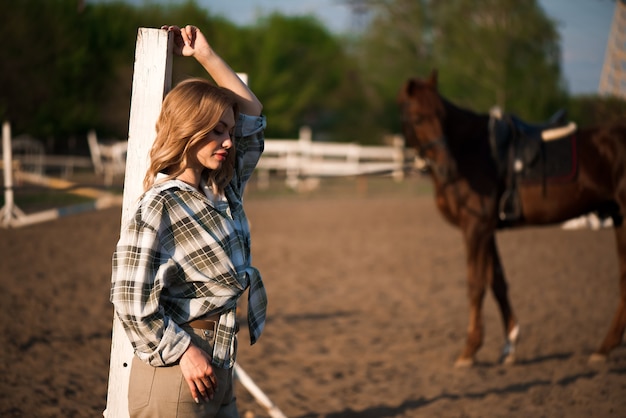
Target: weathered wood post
7 166
152 79
10 212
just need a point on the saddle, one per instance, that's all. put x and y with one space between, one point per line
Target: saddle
530 153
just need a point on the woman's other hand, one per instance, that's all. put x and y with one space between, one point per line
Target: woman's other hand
195 364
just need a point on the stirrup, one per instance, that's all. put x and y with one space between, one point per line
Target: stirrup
508 208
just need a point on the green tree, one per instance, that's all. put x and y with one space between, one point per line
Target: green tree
62 67
297 71
117 35
487 52
46 85
506 53
67 67
394 47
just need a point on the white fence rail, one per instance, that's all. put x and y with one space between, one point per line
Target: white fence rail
29 156
301 159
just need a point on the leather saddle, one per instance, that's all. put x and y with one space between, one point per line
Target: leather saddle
524 152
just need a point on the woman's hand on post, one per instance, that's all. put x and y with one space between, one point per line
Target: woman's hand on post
195 364
188 40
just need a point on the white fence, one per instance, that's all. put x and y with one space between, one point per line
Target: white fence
29 154
28 165
304 160
108 158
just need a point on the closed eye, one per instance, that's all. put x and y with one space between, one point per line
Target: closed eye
223 128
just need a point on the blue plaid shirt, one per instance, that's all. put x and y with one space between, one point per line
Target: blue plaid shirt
185 254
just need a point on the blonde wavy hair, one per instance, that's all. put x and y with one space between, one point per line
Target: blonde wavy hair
190 111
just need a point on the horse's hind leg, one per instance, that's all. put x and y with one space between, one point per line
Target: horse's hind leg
499 288
476 281
616 330
483 266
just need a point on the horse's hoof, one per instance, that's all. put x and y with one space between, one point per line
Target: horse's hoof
509 360
463 363
597 358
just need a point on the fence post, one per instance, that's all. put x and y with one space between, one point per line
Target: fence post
398 144
10 212
152 78
7 209
301 159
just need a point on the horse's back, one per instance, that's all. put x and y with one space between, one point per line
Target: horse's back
603 149
593 184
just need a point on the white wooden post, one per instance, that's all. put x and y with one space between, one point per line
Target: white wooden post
152 78
7 157
257 393
10 211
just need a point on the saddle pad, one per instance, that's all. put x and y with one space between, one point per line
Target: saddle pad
556 163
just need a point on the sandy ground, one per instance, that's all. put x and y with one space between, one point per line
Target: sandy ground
368 312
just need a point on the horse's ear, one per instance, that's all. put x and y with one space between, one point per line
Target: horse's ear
407 90
433 78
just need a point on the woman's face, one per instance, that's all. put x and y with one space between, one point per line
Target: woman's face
211 151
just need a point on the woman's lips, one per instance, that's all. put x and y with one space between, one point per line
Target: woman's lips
221 155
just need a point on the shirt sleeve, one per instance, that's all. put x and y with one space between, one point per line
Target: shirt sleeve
139 269
249 144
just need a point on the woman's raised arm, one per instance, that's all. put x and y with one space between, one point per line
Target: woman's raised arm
190 41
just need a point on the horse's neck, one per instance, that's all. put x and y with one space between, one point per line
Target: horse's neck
462 125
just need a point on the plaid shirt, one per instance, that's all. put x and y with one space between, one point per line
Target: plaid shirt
185 254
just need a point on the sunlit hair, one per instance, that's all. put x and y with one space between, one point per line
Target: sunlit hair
190 111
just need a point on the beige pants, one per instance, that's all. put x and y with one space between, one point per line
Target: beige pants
156 392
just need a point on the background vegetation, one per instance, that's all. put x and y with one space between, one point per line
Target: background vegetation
66 65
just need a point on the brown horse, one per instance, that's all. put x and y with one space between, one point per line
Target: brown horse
483 182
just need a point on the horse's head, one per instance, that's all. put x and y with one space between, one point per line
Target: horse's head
422 124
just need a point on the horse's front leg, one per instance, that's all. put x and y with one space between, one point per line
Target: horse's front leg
479 271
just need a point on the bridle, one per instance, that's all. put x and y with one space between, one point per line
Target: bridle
444 173
422 148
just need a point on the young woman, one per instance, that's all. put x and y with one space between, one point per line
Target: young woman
183 259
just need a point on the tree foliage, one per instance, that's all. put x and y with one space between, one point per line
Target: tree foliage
487 52
294 71
74 71
66 65
508 50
